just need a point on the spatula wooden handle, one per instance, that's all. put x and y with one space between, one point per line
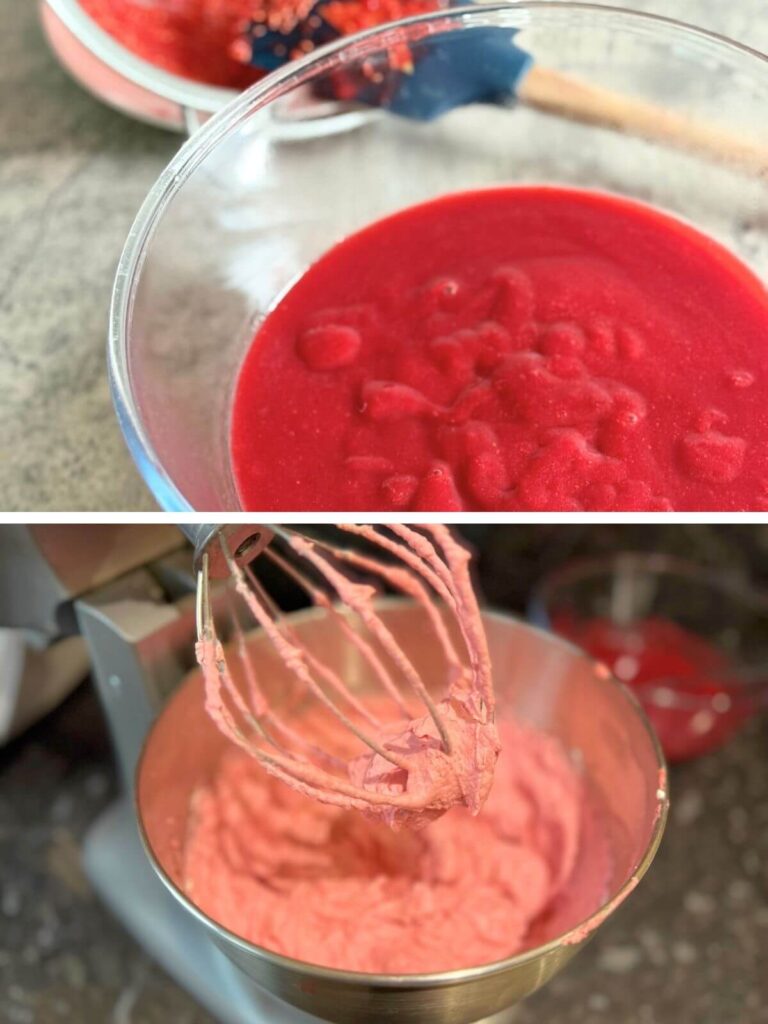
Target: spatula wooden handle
569 97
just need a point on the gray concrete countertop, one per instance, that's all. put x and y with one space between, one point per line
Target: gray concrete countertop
72 175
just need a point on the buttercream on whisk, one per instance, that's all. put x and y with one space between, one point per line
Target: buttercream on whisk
409 767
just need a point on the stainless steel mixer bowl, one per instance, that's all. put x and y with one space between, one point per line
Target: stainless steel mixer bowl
539 679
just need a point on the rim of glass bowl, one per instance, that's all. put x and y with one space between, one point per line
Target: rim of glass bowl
674 699
749 680
575 935
195 150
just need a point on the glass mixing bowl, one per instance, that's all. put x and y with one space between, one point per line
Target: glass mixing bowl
118 77
275 179
690 642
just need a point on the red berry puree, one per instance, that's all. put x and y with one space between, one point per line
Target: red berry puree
191 38
688 687
520 348
206 40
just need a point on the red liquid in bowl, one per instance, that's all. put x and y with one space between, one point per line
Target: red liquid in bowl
688 687
206 40
520 348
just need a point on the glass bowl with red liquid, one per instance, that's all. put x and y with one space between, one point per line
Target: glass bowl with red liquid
171 63
276 179
690 642
133 84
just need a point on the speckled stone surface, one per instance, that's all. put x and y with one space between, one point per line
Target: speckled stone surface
72 175
688 947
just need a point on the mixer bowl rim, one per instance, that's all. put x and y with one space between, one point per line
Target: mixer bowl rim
573 937
222 124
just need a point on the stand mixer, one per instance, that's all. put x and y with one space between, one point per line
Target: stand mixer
140 630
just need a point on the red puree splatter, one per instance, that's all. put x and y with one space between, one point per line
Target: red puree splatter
191 38
688 687
519 348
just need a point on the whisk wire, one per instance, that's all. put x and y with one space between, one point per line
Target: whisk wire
310 779
298 661
357 595
429 567
335 681
322 600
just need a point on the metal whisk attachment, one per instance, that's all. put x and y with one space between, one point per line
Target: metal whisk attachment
415 754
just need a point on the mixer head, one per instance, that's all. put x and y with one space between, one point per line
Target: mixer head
415 754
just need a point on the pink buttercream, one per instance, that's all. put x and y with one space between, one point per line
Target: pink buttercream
327 886
435 779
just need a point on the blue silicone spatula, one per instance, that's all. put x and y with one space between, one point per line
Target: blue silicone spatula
484 64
